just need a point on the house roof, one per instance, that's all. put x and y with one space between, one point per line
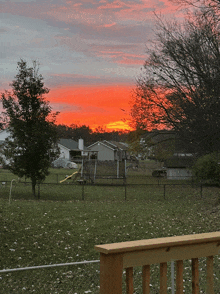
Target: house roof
69 143
120 145
111 145
179 162
102 143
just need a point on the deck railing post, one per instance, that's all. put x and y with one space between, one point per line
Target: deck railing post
179 277
146 279
172 277
210 281
129 280
163 278
195 276
111 270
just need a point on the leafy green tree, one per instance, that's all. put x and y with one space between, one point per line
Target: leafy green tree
32 144
207 168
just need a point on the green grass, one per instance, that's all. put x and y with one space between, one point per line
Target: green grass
55 176
61 228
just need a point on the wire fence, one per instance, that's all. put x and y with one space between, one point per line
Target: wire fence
111 190
47 266
72 278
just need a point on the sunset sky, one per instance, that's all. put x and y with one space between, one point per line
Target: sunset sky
90 52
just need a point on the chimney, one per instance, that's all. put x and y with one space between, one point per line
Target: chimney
81 144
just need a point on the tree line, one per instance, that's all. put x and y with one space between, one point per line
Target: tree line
89 135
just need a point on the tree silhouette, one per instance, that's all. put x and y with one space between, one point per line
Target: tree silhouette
32 143
180 86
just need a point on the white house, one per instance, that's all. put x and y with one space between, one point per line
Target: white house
109 150
72 150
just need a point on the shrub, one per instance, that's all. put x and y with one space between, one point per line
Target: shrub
207 168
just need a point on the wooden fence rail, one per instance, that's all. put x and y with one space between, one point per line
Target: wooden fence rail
126 255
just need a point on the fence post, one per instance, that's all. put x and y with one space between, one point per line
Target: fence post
125 184
10 191
201 190
82 169
164 191
83 191
95 169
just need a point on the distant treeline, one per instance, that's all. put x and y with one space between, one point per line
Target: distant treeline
90 136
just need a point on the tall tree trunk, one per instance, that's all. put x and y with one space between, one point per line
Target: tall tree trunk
38 195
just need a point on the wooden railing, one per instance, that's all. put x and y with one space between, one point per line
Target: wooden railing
126 255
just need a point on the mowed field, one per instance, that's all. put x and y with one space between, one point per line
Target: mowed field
63 228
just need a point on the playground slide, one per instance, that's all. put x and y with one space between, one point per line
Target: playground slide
69 177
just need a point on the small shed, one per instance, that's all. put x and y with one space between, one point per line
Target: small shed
179 167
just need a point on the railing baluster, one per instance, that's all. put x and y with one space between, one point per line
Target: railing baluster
146 279
163 278
210 282
179 277
129 280
195 276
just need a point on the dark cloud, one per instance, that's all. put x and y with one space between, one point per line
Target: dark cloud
75 108
56 80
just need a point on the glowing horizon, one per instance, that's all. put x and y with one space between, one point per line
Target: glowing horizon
95 106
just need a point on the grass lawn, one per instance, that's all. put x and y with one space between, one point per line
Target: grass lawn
55 176
61 228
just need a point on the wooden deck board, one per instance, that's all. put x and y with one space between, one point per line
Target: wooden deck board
158 243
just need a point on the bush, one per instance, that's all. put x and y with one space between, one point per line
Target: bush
207 168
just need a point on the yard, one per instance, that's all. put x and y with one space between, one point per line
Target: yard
61 228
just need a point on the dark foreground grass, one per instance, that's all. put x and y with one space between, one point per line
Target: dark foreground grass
51 231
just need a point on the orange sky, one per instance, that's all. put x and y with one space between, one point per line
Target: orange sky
106 106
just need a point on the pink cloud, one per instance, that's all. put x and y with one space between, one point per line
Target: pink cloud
113 5
131 61
122 57
109 25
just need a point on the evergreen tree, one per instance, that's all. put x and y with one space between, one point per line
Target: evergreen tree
33 141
